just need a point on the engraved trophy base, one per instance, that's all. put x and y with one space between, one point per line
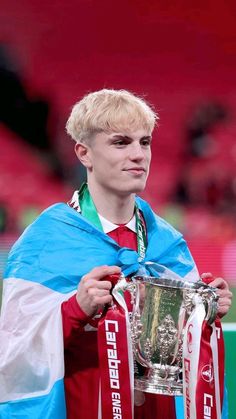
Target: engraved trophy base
155 384
163 387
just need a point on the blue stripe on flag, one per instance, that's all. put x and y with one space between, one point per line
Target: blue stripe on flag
179 407
50 406
225 408
54 250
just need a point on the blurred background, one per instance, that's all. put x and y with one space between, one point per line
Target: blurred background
181 58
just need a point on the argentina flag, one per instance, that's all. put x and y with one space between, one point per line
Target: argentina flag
43 270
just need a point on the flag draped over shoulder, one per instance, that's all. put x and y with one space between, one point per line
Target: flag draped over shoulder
43 270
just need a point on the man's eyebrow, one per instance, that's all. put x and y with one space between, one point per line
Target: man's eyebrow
121 136
146 137
126 137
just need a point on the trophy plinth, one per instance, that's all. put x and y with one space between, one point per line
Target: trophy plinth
153 383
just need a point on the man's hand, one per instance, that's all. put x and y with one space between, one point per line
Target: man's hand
139 398
93 293
225 295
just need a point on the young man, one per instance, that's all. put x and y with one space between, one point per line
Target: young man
45 320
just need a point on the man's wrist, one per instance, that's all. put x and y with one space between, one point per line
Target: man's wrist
78 312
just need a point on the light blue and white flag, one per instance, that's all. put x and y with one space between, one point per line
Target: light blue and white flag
44 268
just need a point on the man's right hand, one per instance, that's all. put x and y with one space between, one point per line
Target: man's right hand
93 293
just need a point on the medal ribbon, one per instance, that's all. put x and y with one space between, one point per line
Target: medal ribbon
116 362
203 366
83 203
114 341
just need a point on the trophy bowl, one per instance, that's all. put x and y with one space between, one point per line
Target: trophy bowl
161 308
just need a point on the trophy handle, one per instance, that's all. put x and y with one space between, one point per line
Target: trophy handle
210 299
207 295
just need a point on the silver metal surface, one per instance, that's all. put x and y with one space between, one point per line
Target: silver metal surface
161 307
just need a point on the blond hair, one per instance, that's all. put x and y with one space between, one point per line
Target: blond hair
109 110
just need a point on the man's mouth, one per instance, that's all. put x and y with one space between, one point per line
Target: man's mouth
136 170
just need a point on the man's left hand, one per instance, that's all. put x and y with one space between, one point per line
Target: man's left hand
225 295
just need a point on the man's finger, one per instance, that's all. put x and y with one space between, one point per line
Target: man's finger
98 292
219 283
101 272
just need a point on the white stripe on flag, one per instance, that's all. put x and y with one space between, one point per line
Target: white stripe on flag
31 350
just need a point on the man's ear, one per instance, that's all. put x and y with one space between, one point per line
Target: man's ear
82 152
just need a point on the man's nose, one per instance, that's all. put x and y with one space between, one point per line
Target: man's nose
137 153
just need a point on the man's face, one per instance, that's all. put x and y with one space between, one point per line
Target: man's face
119 162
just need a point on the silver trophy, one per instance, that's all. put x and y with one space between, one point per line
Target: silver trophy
161 308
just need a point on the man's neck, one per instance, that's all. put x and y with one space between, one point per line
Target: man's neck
117 209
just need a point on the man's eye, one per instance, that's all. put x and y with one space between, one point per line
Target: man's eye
146 143
120 142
